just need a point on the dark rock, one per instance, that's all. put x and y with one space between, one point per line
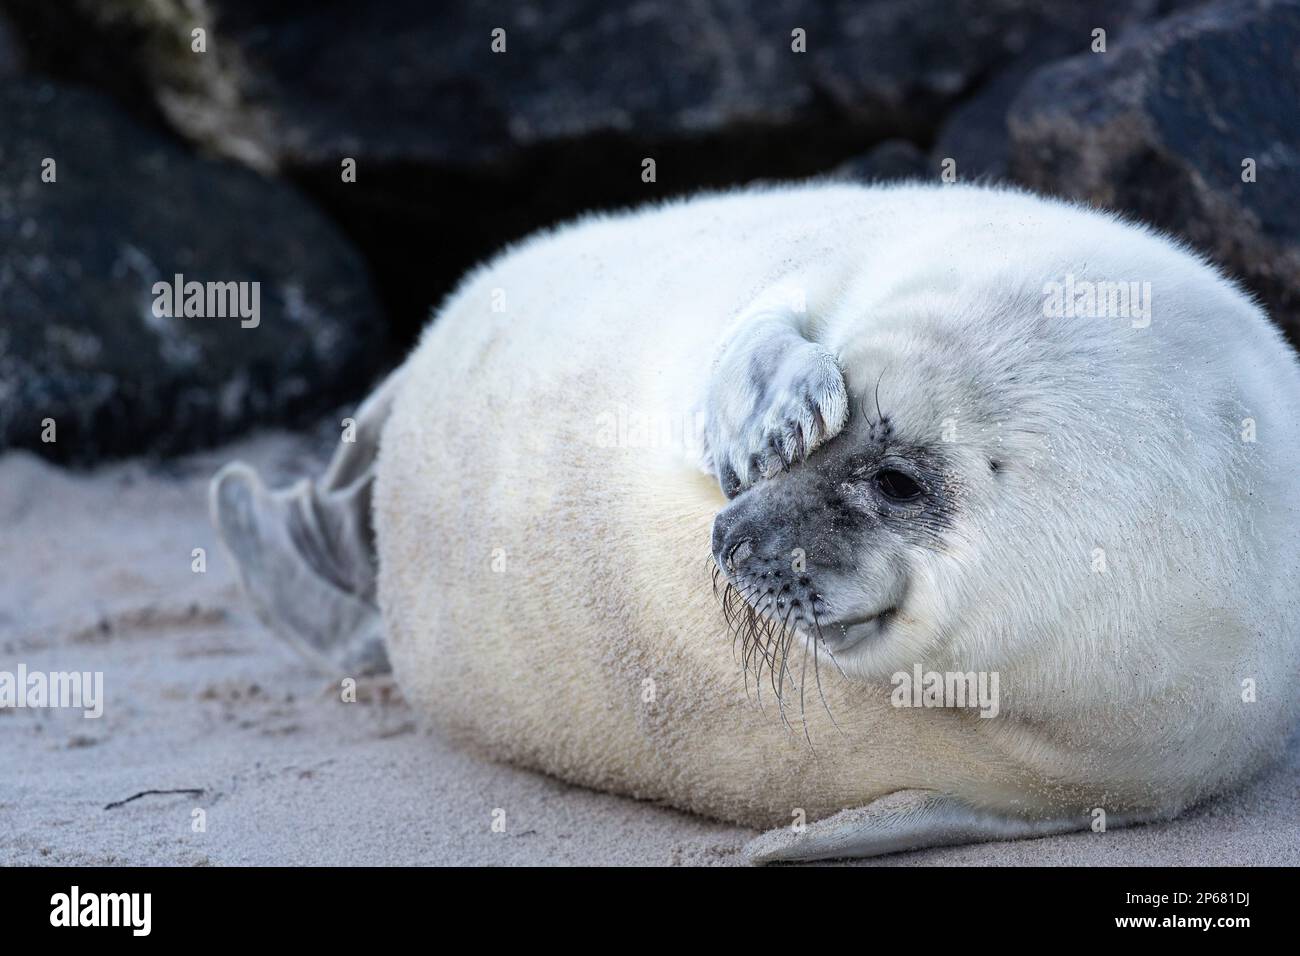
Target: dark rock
1160 125
892 160
975 137
11 55
460 149
974 133
410 81
80 342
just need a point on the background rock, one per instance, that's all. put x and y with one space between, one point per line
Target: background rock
460 149
1158 127
975 134
892 160
79 341
11 55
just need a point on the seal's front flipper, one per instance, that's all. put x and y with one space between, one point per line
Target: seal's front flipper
774 393
905 820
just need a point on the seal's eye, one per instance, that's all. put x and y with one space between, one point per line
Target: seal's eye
897 486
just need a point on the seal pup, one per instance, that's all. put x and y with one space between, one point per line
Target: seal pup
871 413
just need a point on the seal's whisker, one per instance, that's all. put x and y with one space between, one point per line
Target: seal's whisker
880 416
803 672
762 638
736 611
817 673
766 627
751 642
750 621
787 635
778 680
770 642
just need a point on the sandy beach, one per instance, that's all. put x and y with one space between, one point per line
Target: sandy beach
199 698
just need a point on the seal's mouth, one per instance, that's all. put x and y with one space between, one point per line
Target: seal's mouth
780 623
842 636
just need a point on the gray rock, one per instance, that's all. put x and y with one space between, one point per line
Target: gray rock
974 133
891 161
460 149
412 81
975 137
11 54
80 341
1160 125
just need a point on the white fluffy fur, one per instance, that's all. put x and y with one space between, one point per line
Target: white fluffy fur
1120 690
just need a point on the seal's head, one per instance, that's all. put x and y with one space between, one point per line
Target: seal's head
850 546
1020 488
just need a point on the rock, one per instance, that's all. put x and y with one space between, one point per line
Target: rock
11 55
1160 126
81 342
460 149
974 134
410 81
975 137
892 160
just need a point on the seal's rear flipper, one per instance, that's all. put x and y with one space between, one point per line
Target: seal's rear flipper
306 553
906 820
280 555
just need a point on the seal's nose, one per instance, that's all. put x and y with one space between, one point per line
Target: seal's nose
731 539
721 523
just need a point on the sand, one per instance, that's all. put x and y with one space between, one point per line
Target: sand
96 575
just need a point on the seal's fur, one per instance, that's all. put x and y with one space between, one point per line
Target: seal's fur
1119 543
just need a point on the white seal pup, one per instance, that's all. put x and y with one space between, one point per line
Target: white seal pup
952 432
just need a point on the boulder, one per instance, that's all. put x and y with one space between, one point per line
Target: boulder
891 161
96 210
1190 124
974 133
460 149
